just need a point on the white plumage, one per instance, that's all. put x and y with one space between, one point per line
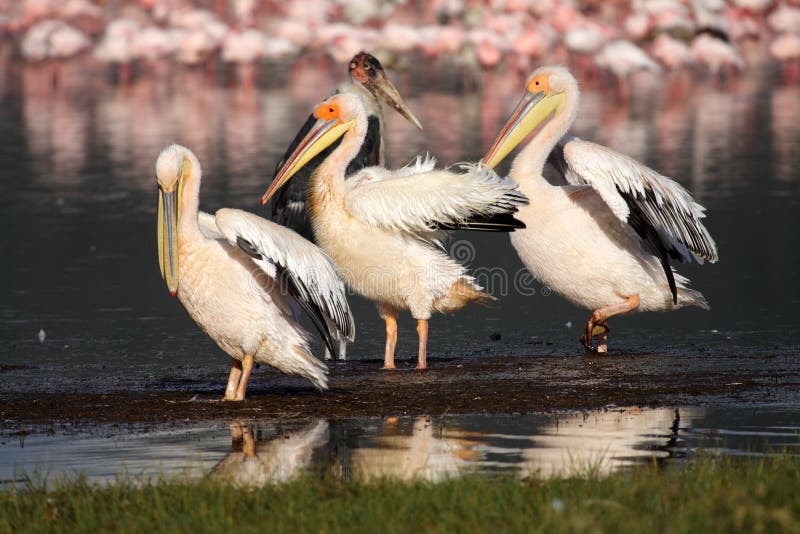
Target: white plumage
603 241
381 227
235 272
620 180
423 202
310 272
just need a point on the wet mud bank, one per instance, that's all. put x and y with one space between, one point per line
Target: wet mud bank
491 385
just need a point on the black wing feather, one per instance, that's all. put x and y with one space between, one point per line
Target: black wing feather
502 222
289 287
649 234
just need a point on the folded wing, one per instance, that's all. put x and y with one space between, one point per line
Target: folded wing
301 267
662 212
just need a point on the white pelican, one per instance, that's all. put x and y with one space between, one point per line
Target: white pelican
603 241
234 272
369 81
381 227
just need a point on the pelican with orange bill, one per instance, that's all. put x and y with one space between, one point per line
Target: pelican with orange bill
604 236
382 227
369 81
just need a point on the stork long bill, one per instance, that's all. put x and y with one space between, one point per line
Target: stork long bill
385 90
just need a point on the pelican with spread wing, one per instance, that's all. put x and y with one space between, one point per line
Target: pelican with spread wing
605 238
369 81
382 227
235 273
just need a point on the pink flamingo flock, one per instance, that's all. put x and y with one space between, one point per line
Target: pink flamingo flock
618 37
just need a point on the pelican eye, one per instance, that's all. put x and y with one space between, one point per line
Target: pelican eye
538 84
327 111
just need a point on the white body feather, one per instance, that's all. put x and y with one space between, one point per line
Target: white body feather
576 246
382 240
236 298
242 309
577 241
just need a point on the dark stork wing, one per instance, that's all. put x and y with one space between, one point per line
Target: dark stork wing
369 154
289 205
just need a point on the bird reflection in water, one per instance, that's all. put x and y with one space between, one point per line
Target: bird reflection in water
435 449
255 463
607 441
429 452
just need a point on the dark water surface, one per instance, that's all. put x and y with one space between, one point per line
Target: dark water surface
78 204
406 447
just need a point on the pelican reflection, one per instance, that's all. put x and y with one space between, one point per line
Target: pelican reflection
256 462
424 449
606 441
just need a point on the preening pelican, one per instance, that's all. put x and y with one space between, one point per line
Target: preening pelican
604 240
381 227
234 272
369 81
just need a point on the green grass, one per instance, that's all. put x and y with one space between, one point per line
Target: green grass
708 495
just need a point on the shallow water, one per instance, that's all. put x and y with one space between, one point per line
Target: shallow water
257 453
77 212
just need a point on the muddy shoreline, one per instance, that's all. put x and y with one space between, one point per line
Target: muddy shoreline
502 385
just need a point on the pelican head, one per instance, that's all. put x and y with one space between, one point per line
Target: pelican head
335 117
173 167
366 70
545 98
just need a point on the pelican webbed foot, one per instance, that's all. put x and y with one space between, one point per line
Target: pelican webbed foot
597 327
